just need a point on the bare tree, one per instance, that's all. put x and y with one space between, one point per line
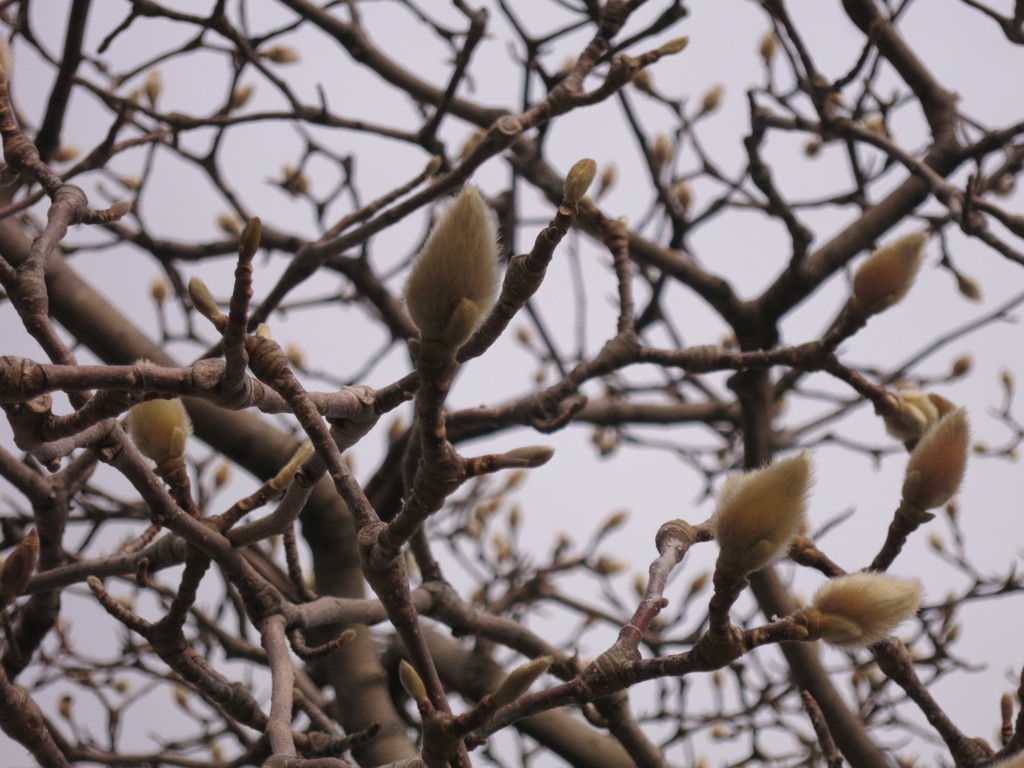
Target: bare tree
160 610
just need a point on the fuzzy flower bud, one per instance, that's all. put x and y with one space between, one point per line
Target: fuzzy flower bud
887 274
452 283
579 179
759 513
712 99
412 682
280 54
159 428
154 87
913 414
864 608
520 679
937 463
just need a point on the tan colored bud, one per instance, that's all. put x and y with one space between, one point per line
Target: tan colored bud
961 366
240 97
181 697
296 354
1006 707
864 608
520 679
249 240
813 147
935 542
607 179
280 54
579 179
221 474
66 153
154 87
18 568
712 99
674 46
608 566
159 290
768 47
615 520
203 300
229 223
875 124
529 457
121 685
1006 379
133 183
937 463
294 181
968 287
887 274
159 428
64 707
471 143
661 152
412 682
698 584
682 193
759 513
915 412
643 81
452 282
514 479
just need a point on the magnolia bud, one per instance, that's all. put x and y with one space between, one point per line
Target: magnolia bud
519 680
712 99
937 463
159 428
452 282
759 513
769 45
968 287
864 608
203 300
412 682
579 179
887 274
913 414
607 179
280 54
961 366
66 153
661 152
158 290
153 87
529 457
240 96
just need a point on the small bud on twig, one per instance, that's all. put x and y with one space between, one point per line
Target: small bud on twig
203 300
579 179
280 54
520 679
862 608
712 99
887 274
528 457
159 428
412 682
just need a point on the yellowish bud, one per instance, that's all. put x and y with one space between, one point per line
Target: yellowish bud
280 54
471 143
643 81
682 193
159 428
240 96
412 682
674 46
229 223
203 300
863 608
661 152
64 707
153 87
579 179
915 412
608 566
529 457
520 679
615 520
452 283
937 463
66 153
769 45
759 513
1006 707
887 274
295 182
296 354
876 125
159 290
712 99
133 183
221 474
284 477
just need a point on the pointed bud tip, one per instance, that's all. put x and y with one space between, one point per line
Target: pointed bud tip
579 179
